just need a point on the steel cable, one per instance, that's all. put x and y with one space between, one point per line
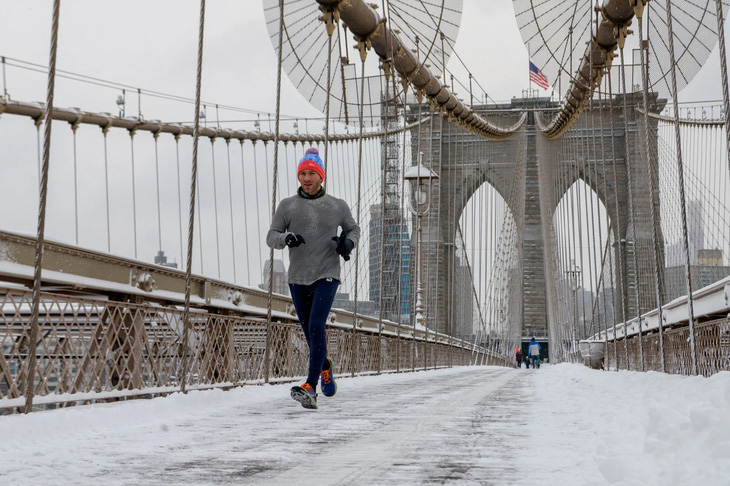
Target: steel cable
193 187
43 194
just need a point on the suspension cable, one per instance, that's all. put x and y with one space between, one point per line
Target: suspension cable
134 194
245 215
632 208
363 53
215 207
157 186
723 74
230 202
105 130
683 201
193 186
621 257
612 225
179 198
38 264
76 180
269 324
656 262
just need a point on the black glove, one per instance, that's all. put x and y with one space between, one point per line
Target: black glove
344 246
292 241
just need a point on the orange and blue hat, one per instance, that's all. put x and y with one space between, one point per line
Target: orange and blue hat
311 161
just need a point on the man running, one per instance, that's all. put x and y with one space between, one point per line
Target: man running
307 223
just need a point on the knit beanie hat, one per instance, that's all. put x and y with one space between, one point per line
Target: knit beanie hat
311 161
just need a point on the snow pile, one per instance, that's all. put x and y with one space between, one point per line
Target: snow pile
630 427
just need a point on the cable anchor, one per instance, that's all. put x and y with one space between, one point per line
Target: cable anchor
363 45
331 15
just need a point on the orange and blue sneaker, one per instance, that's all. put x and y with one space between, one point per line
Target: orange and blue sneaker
327 381
305 395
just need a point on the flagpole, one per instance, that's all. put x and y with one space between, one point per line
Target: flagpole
529 60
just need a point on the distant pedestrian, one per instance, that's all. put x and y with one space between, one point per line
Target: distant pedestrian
518 357
307 223
533 353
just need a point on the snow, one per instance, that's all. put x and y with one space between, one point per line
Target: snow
558 425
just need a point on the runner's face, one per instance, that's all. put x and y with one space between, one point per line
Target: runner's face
310 181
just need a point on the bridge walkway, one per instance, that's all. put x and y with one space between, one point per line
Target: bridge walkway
562 424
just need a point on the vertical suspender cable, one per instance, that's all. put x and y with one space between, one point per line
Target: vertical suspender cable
105 130
656 262
329 19
258 209
200 224
269 324
387 69
402 225
723 75
589 163
359 197
245 217
156 135
230 204
38 263
683 201
447 329
215 206
610 224
621 270
632 208
76 180
590 202
39 150
599 270
428 261
179 197
193 186
5 82
134 193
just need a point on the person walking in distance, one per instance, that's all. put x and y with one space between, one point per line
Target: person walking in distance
307 223
533 353
518 357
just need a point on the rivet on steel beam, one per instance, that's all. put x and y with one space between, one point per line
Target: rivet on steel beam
236 297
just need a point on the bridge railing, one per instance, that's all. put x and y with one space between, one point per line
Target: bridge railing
712 344
114 330
711 335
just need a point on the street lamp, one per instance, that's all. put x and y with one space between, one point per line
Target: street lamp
421 179
121 101
574 276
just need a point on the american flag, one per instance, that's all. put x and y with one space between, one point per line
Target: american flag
537 77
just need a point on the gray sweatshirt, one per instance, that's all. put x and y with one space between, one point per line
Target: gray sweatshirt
317 220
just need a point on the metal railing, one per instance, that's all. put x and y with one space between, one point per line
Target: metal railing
112 329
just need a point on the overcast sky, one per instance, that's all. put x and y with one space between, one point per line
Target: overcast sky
152 45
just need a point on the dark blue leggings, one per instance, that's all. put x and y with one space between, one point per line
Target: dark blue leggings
313 303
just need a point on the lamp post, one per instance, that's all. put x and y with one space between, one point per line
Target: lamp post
121 102
574 277
421 178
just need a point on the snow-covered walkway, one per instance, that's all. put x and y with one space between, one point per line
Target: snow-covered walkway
559 425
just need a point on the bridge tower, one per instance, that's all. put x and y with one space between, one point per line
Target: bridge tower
505 166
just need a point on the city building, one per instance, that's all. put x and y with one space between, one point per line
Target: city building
161 259
708 271
390 259
281 284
